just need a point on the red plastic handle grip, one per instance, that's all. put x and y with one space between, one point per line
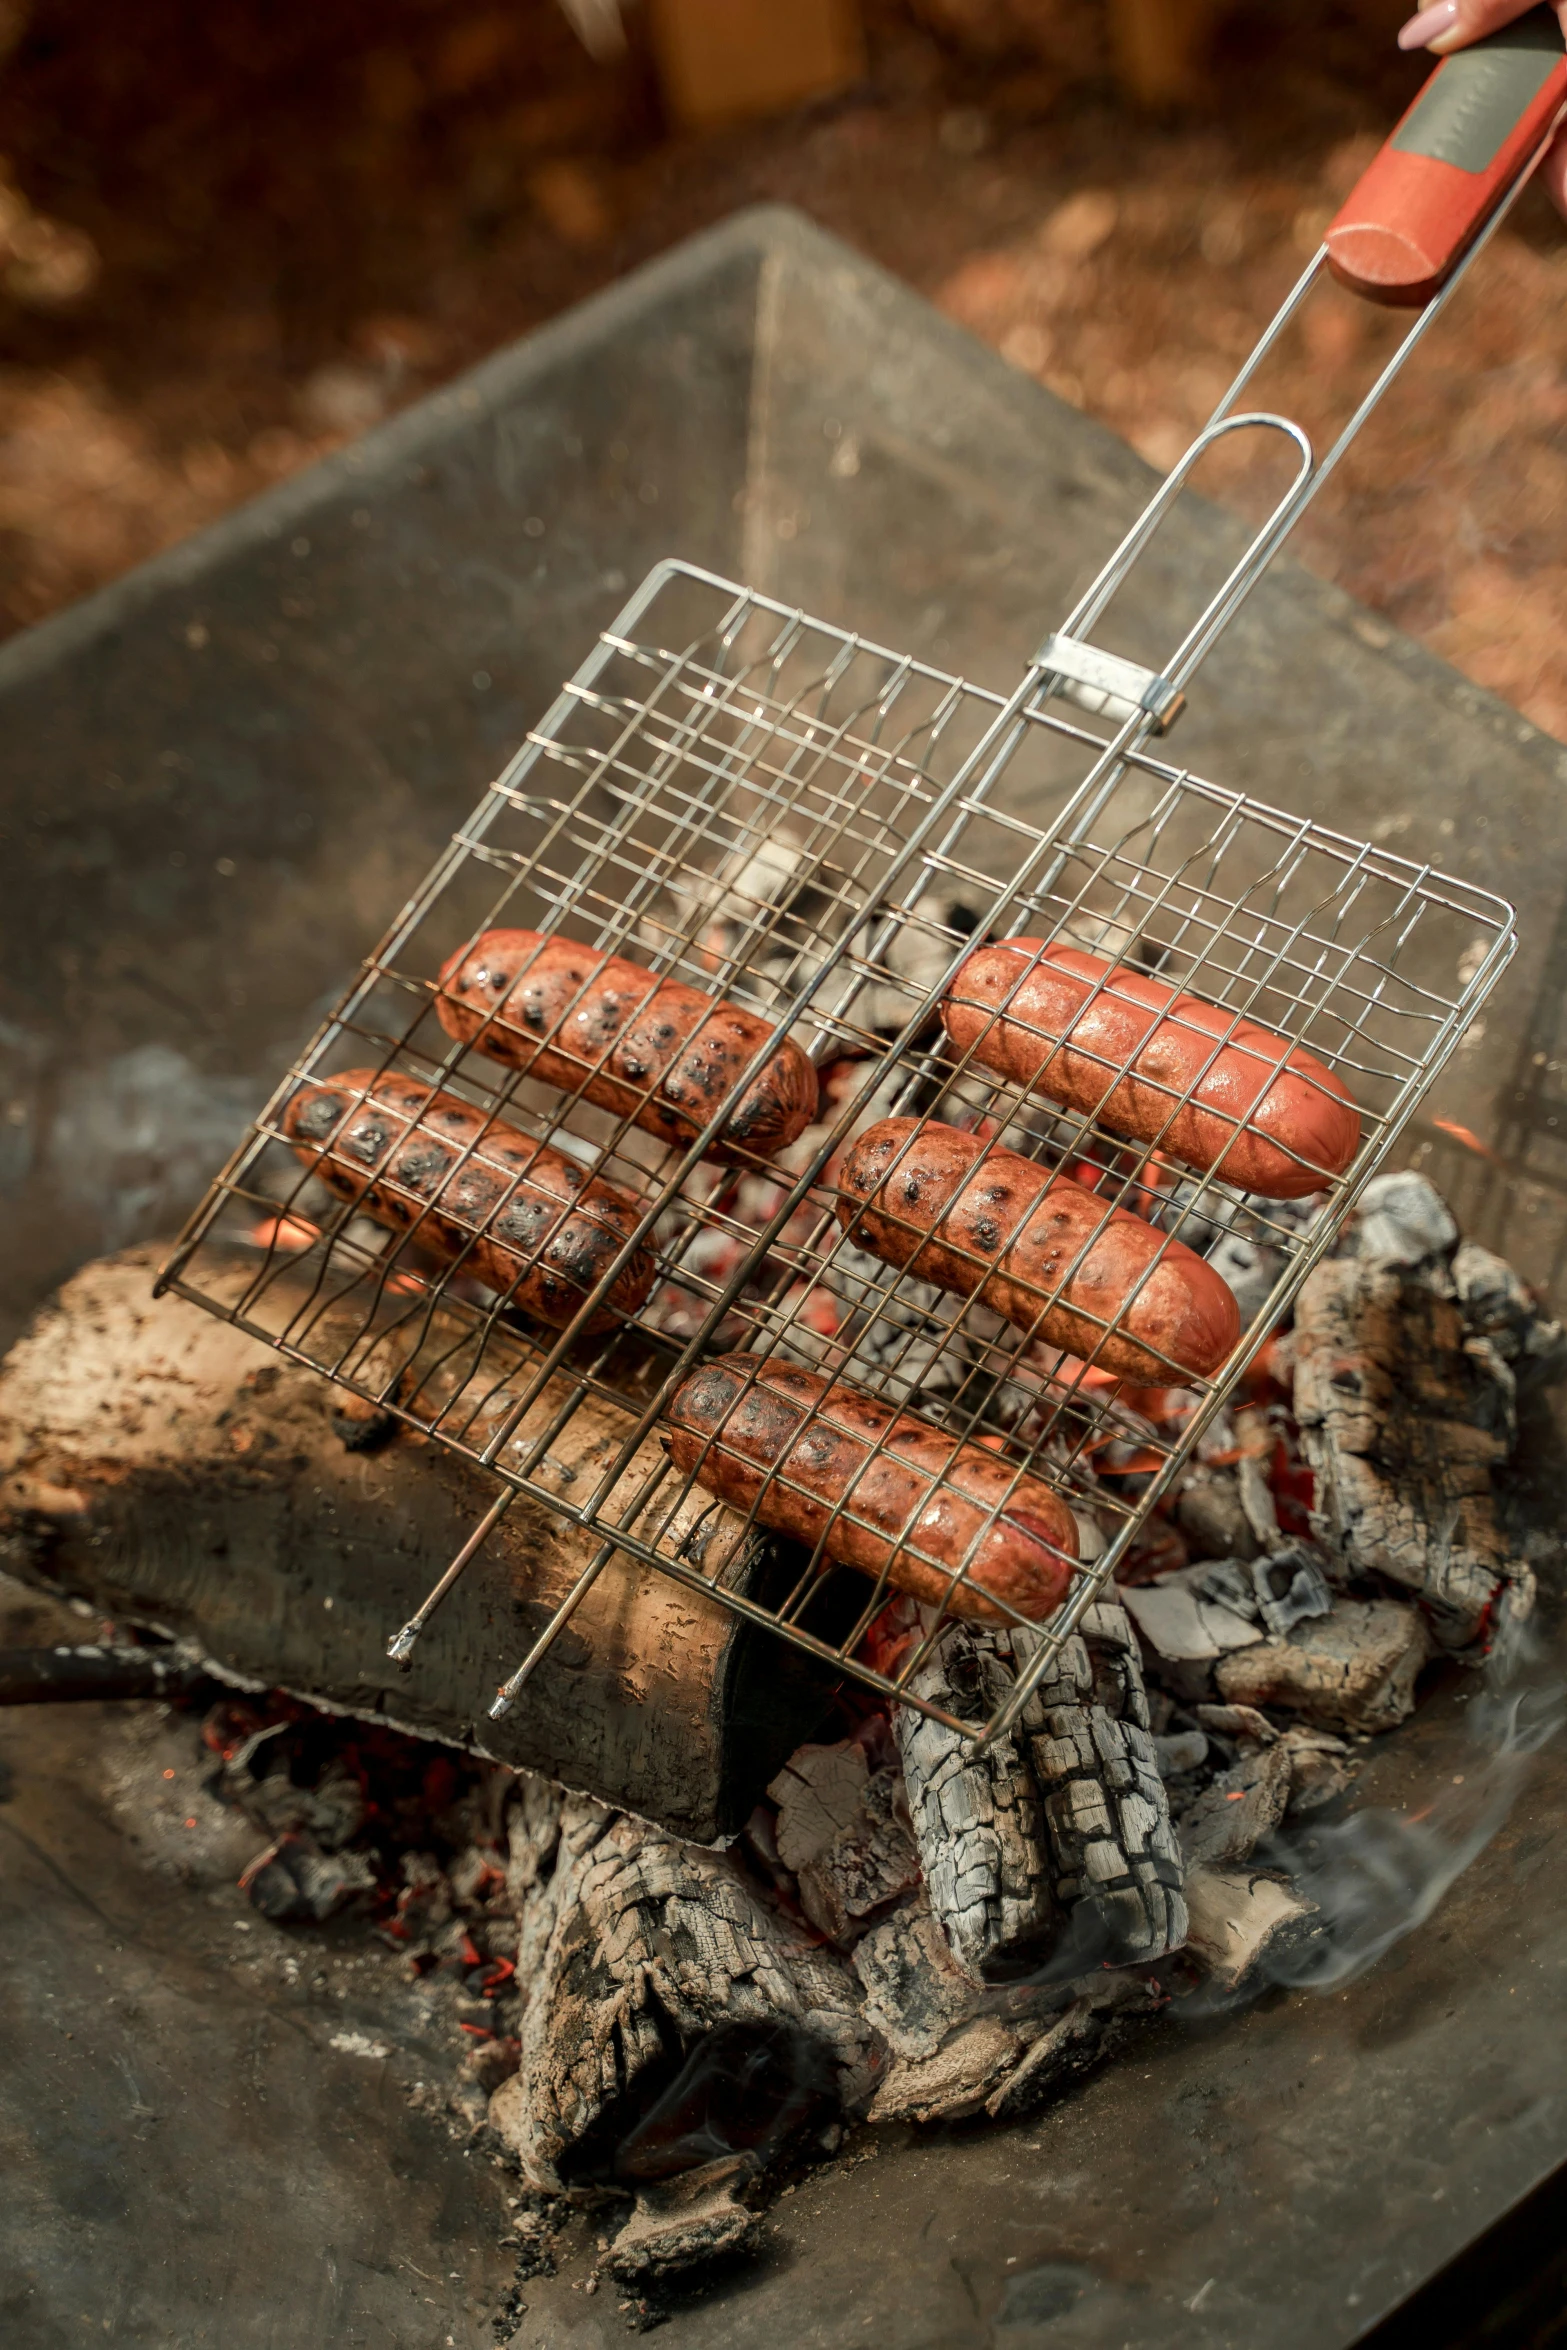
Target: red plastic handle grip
1475 127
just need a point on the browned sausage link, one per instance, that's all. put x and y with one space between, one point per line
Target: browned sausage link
1159 1066
920 1510
547 1231
653 1050
1037 1249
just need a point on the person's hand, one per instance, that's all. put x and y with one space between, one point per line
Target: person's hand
1453 24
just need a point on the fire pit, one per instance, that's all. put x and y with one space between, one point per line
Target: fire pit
234 944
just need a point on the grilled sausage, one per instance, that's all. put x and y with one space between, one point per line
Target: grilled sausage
653 1050
769 1436
1096 1036
1037 1249
548 1230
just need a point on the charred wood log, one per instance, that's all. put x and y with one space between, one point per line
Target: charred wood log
1354 1669
843 1830
1238 1808
1405 1395
956 2050
60 1676
674 2019
176 1473
1055 1838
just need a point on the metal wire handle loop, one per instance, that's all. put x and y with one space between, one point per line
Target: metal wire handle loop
1091 607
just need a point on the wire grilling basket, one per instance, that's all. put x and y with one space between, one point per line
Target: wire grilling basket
787 817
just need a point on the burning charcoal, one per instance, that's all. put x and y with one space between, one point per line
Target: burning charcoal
1241 1806
1243 1920
1230 1585
683 2221
1181 1619
259 1779
1321 1769
424 1903
1209 1513
867 1866
1403 1422
819 1793
1502 1311
956 2050
1249 1268
1056 1838
1403 1220
294 1880
1354 1669
672 2018
978 1815
1185 1750
1115 1854
1290 1587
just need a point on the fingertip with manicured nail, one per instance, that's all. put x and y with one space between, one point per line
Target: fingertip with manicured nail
1429 25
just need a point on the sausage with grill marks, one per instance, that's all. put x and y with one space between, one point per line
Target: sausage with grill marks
1218 1093
653 1050
798 1449
547 1230
1037 1248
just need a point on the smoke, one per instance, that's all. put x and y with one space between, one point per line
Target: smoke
1377 1876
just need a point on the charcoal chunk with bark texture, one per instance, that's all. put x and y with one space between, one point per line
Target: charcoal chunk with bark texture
978 1815
1354 1669
955 2050
1114 1851
1404 1422
1057 1836
646 1954
1238 1808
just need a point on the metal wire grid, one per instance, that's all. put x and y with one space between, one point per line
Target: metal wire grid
771 809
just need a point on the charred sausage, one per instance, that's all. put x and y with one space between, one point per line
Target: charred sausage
1096 1036
547 1230
879 1489
653 1050
1037 1249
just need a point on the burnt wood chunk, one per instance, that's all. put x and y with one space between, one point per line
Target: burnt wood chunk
1354 1669
953 2050
673 2016
1055 1841
1246 1927
1408 1356
176 1472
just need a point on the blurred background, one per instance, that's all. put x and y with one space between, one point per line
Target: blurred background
234 236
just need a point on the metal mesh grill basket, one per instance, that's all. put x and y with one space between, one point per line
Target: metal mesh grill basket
779 813
763 806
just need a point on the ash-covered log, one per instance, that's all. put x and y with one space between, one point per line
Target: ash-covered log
177 1473
1053 1845
1354 1669
955 2050
1408 1352
675 2018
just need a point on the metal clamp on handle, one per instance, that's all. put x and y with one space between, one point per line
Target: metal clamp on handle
1106 685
